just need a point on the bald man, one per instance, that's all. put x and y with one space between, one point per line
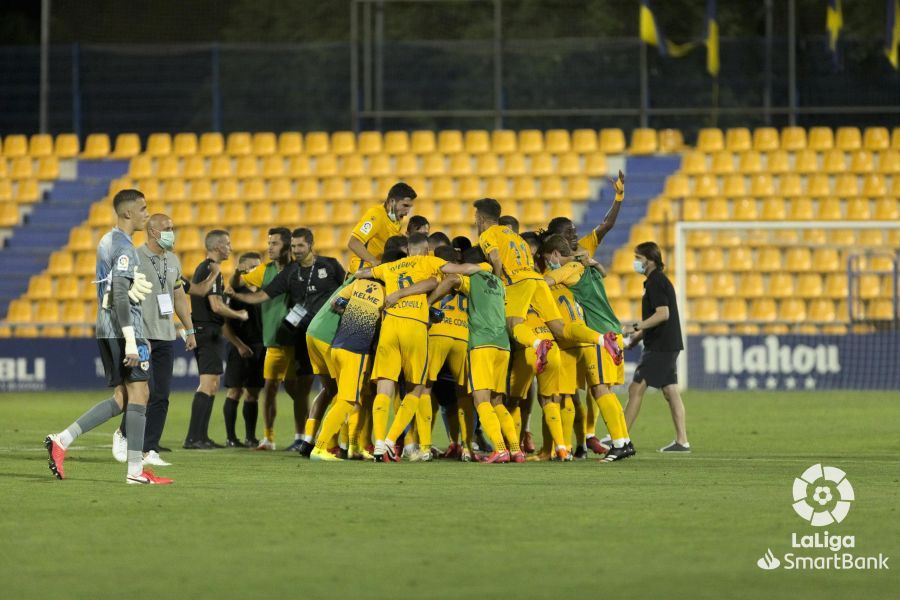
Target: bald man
168 298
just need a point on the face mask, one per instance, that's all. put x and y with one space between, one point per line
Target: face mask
392 213
554 265
639 267
167 240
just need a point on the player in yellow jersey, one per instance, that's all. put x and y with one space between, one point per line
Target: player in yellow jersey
512 262
403 343
378 224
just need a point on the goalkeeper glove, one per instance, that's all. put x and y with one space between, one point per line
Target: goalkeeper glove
130 341
140 288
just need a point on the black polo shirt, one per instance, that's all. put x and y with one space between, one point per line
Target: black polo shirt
308 286
658 291
201 311
249 331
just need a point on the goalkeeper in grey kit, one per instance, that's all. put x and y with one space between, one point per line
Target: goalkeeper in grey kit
120 336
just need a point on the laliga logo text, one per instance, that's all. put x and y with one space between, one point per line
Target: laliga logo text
822 496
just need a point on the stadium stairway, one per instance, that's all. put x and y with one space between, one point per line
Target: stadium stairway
645 180
47 228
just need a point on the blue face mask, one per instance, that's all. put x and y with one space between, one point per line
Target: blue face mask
167 240
554 265
639 267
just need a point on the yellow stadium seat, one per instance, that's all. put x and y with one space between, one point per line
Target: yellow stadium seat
450 141
790 185
167 167
48 168
806 161
503 141
799 260
460 165
694 163
793 138
710 140
234 213
765 139
261 214
738 139
613 285
61 263
612 141
821 310
792 309
809 285
316 213
751 286
442 188
487 165
212 144
66 146
308 189
280 188
750 162
74 311
895 138
569 164
836 285
140 167
584 141
189 238
15 145
40 144
298 166
761 186
634 286
671 141
706 186
191 260
740 259
696 286
5 187
172 190
219 166
207 214
288 213
227 190
817 186
184 144
343 142
889 163
541 165
858 209
514 165
734 310
595 165
834 162
183 213
729 239
551 188
710 260
561 206
773 209
290 143
886 209
370 142
745 210
524 188
762 309
622 261
201 189
874 186
335 188
677 186
781 285
422 142
777 162
81 238
273 166
86 265
407 165
715 209
643 141
96 146
704 310
21 168
829 209
127 146
691 210
578 188
820 139
557 141
861 162
846 186
723 285
868 286
880 310
734 186
477 141
254 190
193 167
159 144
19 311
326 165
317 142
848 139
498 187
40 287
722 163
239 143
263 143
242 239
27 191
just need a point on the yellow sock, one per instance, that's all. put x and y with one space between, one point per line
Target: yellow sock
580 333
424 417
333 440
333 422
552 415
590 417
310 429
612 413
579 423
269 433
525 336
404 416
466 414
508 427
491 425
380 408
567 414
517 419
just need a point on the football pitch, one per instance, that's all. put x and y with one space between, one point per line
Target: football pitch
245 524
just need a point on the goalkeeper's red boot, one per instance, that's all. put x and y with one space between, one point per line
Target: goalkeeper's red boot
541 351
517 457
453 451
57 455
596 446
147 478
497 457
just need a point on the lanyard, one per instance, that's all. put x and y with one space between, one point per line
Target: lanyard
308 282
165 271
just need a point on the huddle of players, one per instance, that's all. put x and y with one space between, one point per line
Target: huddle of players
484 319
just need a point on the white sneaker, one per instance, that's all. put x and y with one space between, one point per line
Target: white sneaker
153 458
266 444
419 456
120 446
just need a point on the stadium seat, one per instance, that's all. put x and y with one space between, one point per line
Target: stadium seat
858 209
557 141
239 143
806 161
750 162
722 163
790 186
503 141
290 143
861 162
234 213
768 259
836 285
781 285
184 144
227 190
745 209
551 188
711 260
159 144
40 287
308 189
22 168
820 139
706 186
694 163
710 140
27 191
128 145
584 141
792 309
834 162
167 167
738 139
846 186
531 141
524 188
343 142
595 165
61 263
280 188
817 186
273 166
66 146
219 166
691 211
889 162
201 189
335 188
407 165
751 286
450 141
643 141
762 186
460 165
286 212
19 311
829 209
394 142
263 143
696 286
326 165
734 186
477 141
514 165
740 259
886 209
140 167
778 162
212 144
821 310
569 164
15 145
715 209
40 144
541 165
880 310
793 138
677 186
848 139
874 186
704 310
671 141
762 309
612 141
765 139
723 285
421 142
734 310
868 286
799 260
498 188
316 143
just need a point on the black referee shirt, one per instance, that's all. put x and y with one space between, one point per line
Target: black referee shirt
308 286
201 311
249 331
658 291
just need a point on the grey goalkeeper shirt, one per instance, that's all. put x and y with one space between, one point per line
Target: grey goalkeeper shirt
163 271
116 258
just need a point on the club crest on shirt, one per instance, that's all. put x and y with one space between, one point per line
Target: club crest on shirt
323 273
122 263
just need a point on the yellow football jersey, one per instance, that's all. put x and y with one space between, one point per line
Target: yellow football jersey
456 318
590 242
569 309
404 273
373 230
534 322
515 255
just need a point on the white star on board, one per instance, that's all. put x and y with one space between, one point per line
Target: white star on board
732 383
752 383
771 383
809 383
790 383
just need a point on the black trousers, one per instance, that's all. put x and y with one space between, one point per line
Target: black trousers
162 359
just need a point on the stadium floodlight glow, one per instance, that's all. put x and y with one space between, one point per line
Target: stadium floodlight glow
682 228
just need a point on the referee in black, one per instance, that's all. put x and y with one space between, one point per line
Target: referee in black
209 313
660 329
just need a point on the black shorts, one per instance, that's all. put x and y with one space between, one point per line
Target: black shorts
245 372
210 350
301 358
657 368
112 353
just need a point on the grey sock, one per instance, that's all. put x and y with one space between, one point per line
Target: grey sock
99 414
136 418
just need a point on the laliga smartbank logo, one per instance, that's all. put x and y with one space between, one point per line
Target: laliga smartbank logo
822 496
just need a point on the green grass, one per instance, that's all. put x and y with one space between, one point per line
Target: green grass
241 524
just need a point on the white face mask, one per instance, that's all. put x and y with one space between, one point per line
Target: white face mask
167 240
554 265
639 267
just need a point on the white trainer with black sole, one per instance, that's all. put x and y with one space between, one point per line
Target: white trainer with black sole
153 458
